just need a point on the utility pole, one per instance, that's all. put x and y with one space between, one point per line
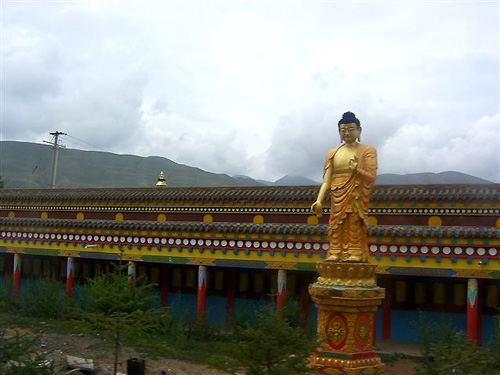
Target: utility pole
55 146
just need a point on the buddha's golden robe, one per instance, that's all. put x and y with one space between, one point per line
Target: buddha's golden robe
350 197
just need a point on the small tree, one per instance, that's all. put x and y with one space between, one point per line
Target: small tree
457 355
18 356
272 347
118 310
446 351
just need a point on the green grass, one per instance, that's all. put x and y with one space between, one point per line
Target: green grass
13 320
183 345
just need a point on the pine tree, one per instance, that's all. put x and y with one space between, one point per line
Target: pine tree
272 347
19 356
447 351
119 311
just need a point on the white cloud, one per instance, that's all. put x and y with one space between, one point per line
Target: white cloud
429 148
257 88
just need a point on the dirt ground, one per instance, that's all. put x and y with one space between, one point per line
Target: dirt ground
401 367
86 346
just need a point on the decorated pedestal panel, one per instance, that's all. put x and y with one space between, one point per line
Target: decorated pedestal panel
347 299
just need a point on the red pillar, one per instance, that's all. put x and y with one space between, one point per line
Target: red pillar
165 273
473 312
386 307
202 292
231 291
280 300
131 272
16 276
70 277
305 299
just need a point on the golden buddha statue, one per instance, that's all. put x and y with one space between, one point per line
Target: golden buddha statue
349 174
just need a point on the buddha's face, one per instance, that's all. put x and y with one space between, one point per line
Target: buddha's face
349 132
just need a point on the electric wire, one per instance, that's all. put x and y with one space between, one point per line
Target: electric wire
92 146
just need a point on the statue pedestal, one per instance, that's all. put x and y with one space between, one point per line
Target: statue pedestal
347 299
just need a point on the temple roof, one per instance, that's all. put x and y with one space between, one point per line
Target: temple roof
225 227
482 192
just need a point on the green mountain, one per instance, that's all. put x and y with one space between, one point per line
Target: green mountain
28 165
294 180
427 178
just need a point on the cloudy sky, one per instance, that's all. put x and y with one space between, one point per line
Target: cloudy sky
257 88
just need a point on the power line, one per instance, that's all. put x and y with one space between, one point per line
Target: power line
37 164
85 142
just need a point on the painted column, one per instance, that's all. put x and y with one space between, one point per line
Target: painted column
231 291
16 276
386 307
347 298
165 273
304 300
202 292
473 312
70 277
131 272
374 333
280 300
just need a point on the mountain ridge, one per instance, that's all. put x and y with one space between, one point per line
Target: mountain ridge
26 165
424 178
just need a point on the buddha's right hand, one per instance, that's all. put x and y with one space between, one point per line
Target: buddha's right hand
317 208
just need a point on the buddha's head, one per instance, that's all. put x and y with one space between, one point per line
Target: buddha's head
349 128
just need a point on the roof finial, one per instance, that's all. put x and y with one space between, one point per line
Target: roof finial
161 180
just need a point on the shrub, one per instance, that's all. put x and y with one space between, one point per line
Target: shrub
494 344
44 299
446 351
6 298
19 357
271 347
